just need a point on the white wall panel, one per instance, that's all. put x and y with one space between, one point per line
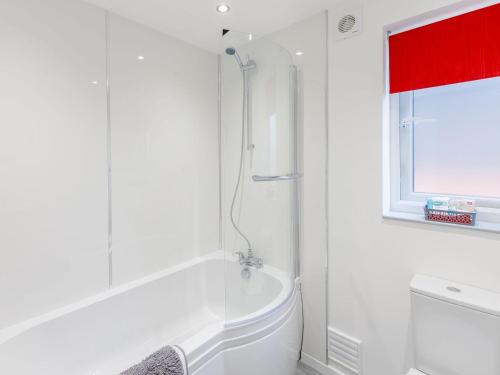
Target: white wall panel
164 150
52 155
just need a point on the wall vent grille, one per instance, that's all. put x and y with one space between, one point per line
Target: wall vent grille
346 23
344 350
347 17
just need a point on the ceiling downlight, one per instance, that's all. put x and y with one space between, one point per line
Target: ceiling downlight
223 8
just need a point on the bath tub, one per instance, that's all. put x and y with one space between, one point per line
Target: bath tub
225 324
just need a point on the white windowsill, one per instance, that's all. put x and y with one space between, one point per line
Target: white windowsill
483 226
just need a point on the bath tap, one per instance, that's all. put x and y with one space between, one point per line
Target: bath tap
249 260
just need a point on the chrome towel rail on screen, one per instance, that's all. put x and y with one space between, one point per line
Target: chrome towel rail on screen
285 177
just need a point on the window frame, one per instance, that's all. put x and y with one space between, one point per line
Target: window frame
399 199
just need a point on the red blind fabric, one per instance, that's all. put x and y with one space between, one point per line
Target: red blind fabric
459 49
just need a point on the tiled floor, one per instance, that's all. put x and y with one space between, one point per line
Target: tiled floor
304 370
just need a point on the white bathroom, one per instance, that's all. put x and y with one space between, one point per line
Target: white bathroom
240 187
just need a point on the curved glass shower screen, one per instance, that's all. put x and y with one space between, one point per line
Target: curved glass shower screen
259 165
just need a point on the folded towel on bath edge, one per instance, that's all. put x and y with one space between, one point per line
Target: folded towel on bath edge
169 360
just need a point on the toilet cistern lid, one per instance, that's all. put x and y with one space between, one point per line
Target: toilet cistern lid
458 294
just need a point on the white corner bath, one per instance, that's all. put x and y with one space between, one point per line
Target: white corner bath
225 325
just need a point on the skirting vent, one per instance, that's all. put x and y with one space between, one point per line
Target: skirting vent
345 351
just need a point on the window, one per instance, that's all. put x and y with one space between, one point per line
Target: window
443 115
450 140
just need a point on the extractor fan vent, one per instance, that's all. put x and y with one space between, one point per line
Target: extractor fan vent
346 23
347 20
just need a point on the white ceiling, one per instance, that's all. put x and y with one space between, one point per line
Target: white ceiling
197 21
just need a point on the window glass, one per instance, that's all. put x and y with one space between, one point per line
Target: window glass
456 139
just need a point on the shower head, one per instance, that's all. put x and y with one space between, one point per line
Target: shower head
231 51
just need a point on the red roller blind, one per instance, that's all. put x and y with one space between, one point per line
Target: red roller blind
458 49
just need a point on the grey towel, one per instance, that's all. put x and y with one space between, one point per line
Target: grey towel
165 361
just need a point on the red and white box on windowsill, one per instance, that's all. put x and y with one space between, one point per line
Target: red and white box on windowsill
451 211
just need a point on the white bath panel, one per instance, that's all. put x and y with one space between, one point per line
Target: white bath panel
345 351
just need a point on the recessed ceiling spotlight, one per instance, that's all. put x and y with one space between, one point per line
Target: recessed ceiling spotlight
140 57
223 8
250 37
299 53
